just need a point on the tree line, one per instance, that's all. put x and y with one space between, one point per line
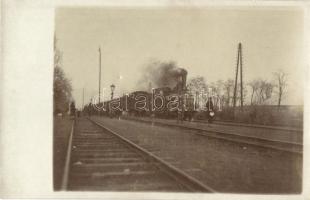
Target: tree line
62 88
255 92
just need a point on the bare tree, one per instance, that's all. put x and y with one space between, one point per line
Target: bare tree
264 91
228 86
197 84
281 83
254 85
217 92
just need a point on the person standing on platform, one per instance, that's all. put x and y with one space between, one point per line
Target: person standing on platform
210 110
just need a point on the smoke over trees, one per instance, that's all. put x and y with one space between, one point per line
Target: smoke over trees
158 74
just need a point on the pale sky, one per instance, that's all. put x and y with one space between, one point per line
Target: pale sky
203 41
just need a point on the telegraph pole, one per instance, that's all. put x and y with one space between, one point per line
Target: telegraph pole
236 79
239 63
83 100
99 73
241 74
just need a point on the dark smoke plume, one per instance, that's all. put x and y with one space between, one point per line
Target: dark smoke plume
161 74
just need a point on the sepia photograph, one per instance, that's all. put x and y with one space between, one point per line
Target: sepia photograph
178 99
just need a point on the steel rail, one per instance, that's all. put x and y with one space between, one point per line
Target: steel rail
178 175
65 177
287 129
295 145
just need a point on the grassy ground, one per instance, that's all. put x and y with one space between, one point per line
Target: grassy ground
62 129
265 115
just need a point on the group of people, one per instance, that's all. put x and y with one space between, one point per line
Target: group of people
210 113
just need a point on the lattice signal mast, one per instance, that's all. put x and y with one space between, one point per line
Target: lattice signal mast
239 63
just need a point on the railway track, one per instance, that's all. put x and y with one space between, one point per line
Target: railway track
226 123
290 147
100 159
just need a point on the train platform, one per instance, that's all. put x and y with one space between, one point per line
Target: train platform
281 135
